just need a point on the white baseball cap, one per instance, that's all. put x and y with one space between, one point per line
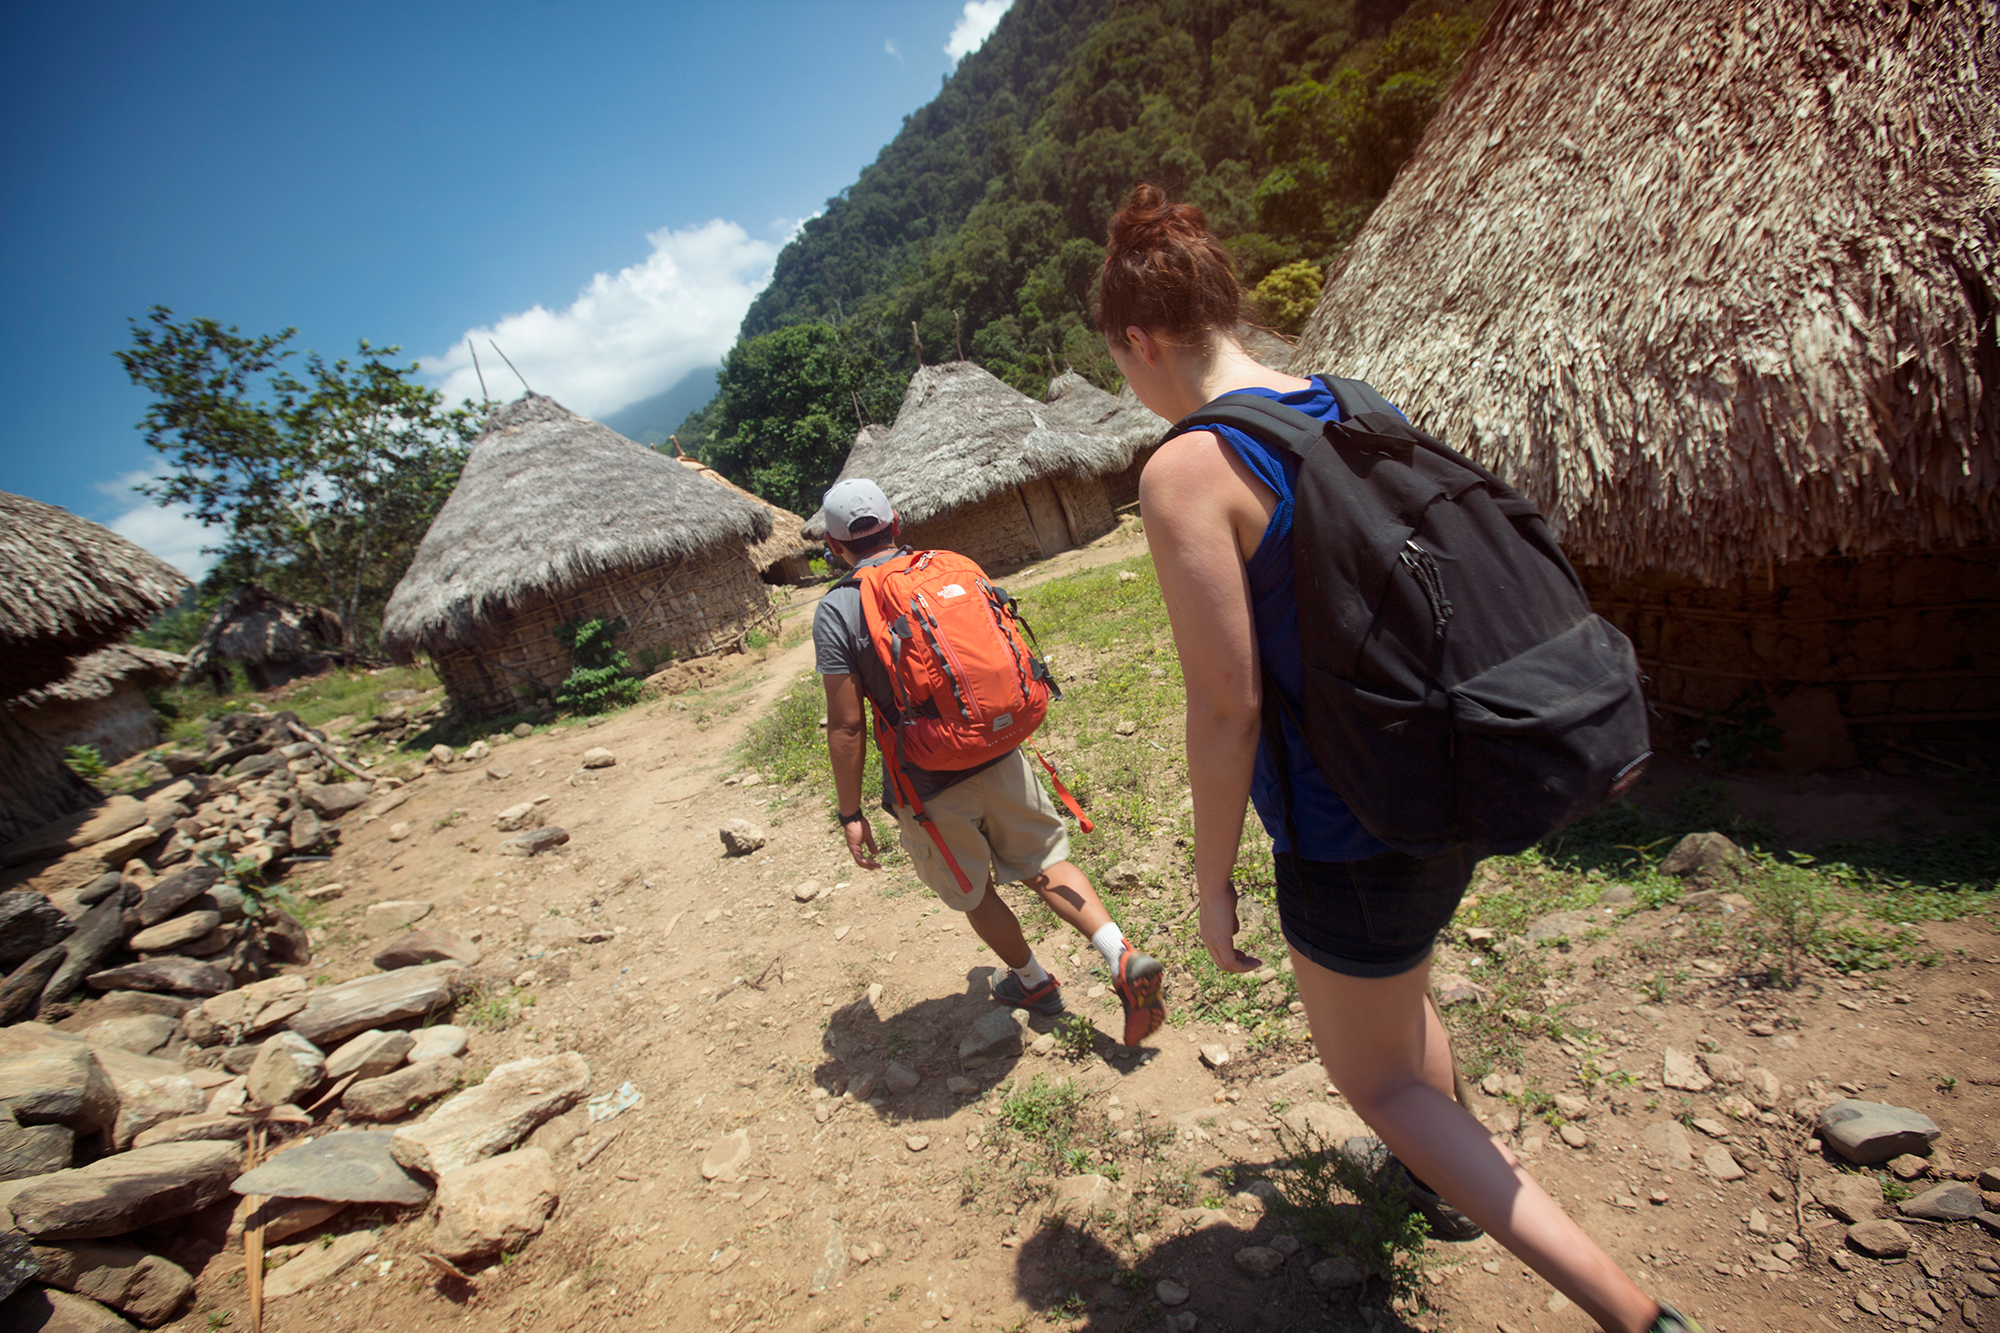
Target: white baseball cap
855 508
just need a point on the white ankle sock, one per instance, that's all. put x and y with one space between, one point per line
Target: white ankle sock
1032 973
1110 942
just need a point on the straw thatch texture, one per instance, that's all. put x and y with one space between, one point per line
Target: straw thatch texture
968 451
102 702
1077 404
68 587
1713 283
256 626
780 557
548 500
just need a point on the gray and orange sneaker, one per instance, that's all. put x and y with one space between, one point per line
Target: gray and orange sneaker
1137 981
1045 999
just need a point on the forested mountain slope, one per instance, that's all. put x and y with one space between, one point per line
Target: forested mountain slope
978 231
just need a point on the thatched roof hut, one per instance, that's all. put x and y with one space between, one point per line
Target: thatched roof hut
1078 405
67 588
781 557
102 702
558 519
274 637
973 465
1716 286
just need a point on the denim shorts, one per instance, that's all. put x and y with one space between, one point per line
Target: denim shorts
1376 917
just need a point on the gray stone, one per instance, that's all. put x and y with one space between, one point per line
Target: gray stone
1866 1133
202 1128
287 1068
25 984
99 934
534 841
1085 1192
334 799
599 757
1170 1292
33 1150
149 1091
1850 1197
369 1055
740 837
900 1077
1722 1068
318 1264
127 1191
491 1118
1701 854
1215 1055
335 1013
1763 1089
727 1157
382 918
1258 1261
1668 1145
428 946
142 1034
1301 1081
171 893
35 1309
170 934
1952 1202
1680 1071
309 832
17 1265
282 1218
1719 1164
517 817
51 1078
346 1166
996 1036
495 1206
1879 1239
432 1042
522 731
250 1010
117 816
1618 895
393 1096
29 923
124 1277
1558 926
176 976
1337 1273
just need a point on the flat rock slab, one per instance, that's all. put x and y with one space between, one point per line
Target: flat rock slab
396 914
48 1310
287 1068
331 800
395 1095
317 1265
173 892
1953 1202
370 1054
17 1265
149 1091
996 1036
174 932
34 1150
428 946
141 1034
727 1157
513 1101
118 815
29 923
1668 1144
442 1039
258 1007
174 975
203 1128
346 1166
1867 1133
1258 1261
1085 1192
1879 1239
335 1013
128 1191
128 1279
1680 1071
534 841
1851 1198
98 935
495 1206
55 1079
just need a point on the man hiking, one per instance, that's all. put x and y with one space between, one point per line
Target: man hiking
970 819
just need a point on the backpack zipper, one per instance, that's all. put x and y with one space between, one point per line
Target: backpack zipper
1424 565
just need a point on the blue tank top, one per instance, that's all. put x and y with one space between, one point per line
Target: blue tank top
1328 830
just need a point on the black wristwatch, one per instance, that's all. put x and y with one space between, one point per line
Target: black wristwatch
854 818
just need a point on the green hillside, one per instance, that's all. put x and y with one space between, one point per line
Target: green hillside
978 230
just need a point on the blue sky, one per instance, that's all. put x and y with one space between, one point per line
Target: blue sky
599 186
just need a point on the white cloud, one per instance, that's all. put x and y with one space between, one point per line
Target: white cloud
628 334
172 534
891 48
975 25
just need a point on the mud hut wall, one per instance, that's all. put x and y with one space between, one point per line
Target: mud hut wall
684 609
1121 488
36 786
995 531
1905 637
117 726
1086 506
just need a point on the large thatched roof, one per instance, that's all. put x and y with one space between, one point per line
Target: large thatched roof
549 498
67 588
784 542
257 625
962 435
96 675
1714 283
1074 403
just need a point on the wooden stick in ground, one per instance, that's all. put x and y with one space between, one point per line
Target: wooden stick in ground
326 751
253 1239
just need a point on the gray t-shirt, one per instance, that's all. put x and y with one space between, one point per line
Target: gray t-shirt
841 647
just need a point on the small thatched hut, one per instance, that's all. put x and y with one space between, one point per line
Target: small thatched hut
782 557
555 520
1716 285
977 467
1075 404
275 638
67 588
102 702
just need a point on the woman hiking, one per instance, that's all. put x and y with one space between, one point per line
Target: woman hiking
1359 918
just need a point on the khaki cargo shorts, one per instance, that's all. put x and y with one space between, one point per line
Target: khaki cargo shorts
998 823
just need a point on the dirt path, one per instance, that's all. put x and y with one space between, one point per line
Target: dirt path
732 1007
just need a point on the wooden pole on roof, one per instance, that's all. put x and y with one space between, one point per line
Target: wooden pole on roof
917 338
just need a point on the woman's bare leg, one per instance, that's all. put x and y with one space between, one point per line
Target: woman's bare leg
1384 1048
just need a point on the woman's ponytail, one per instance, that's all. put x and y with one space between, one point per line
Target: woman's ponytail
1164 272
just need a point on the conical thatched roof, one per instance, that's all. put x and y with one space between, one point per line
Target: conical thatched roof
257 625
67 588
1714 283
96 675
962 435
1074 403
549 498
784 542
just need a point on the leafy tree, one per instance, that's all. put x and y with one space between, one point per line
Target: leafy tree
1288 294
325 483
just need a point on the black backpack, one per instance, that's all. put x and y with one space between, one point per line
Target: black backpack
1459 691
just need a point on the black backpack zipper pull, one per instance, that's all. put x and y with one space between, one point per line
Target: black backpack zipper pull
1424 565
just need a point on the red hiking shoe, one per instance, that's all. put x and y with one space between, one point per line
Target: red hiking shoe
1138 985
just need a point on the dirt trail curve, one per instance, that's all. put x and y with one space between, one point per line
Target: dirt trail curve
734 1008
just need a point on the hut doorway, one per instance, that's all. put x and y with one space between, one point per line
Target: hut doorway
1045 516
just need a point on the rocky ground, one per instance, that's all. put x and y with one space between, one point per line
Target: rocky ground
602 1030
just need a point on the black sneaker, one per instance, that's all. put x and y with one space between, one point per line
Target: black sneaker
1672 1321
1045 999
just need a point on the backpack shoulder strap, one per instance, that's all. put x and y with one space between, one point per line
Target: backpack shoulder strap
1253 414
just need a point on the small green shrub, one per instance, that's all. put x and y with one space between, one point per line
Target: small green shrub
1348 1205
600 675
85 761
1075 1037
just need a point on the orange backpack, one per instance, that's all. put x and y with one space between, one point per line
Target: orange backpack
967 685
